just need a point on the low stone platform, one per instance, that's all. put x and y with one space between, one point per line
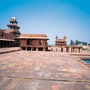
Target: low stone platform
10 49
29 70
81 56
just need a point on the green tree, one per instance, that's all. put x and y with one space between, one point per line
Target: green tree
71 42
77 42
84 43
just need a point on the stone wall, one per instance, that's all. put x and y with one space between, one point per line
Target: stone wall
66 49
36 45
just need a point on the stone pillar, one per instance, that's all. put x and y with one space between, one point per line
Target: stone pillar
11 44
75 49
64 49
69 49
51 49
6 44
3 44
0 43
31 49
72 50
56 49
60 49
43 49
26 48
36 49
80 50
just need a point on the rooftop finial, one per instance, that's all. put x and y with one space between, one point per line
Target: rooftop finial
65 37
13 18
56 37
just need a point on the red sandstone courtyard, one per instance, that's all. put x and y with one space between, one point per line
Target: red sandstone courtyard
32 70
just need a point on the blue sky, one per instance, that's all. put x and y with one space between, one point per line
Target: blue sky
51 17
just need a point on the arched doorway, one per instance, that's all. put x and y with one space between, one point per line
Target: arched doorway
23 48
67 49
33 49
29 48
72 49
61 49
40 49
79 49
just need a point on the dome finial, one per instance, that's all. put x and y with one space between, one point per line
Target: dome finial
13 18
56 36
65 37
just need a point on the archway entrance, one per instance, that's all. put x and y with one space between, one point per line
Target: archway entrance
34 49
67 49
29 48
79 49
40 49
72 49
61 49
23 48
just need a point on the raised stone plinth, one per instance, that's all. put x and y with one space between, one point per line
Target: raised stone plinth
33 70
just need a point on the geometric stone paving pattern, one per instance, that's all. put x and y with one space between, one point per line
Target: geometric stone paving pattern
10 49
32 70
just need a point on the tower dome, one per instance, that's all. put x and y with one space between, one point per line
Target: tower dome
65 37
13 24
56 37
13 18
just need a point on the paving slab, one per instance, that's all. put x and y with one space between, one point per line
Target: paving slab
32 70
8 50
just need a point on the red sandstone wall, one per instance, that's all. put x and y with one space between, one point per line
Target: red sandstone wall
35 43
23 43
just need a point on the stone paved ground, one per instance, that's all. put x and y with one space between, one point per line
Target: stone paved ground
28 70
9 49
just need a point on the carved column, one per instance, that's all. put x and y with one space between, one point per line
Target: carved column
69 49
43 49
26 48
36 49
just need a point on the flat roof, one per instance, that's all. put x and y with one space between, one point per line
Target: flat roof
6 40
33 36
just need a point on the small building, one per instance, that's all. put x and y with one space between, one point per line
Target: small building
70 49
61 46
60 42
7 36
6 39
33 42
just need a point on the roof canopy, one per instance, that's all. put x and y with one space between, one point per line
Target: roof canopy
13 20
33 36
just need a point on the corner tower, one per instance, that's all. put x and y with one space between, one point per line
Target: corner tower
13 24
61 41
13 27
